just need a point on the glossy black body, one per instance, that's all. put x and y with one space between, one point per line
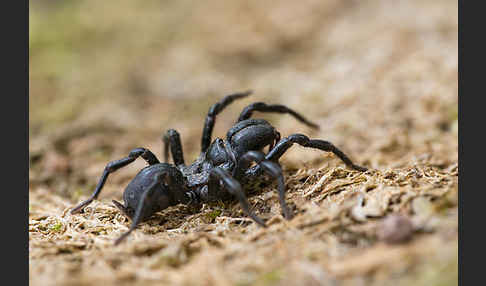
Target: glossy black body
222 170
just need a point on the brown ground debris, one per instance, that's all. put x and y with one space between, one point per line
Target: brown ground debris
379 77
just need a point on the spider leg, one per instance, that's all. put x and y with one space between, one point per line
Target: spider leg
122 209
284 144
172 140
277 108
145 198
233 187
111 167
269 167
211 117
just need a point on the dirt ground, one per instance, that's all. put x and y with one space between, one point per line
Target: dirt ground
379 77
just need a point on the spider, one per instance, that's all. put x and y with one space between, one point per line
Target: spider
222 171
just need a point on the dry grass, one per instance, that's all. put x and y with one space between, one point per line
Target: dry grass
339 233
380 78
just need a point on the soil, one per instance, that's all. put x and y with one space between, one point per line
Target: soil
379 77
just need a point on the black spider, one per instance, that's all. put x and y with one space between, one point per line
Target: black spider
220 170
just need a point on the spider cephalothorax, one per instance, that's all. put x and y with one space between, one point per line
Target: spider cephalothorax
220 170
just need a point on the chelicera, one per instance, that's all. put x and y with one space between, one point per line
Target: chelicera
222 170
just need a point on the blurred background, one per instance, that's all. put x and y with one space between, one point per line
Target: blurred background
379 77
106 77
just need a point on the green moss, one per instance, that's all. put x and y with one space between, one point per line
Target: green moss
264 279
453 113
270 278
213 215
56 227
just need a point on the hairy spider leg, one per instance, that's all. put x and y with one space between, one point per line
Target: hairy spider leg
172 140
141 204
284 144
211 117
277 108
233 187
270 168
111 167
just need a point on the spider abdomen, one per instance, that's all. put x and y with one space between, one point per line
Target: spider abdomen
162 197
251 134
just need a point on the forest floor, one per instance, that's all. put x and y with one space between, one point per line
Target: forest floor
380 78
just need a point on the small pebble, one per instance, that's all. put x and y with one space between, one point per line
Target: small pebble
396 228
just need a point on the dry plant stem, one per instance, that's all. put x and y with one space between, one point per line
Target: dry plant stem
324 179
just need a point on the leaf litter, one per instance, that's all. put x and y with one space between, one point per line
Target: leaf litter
393 109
